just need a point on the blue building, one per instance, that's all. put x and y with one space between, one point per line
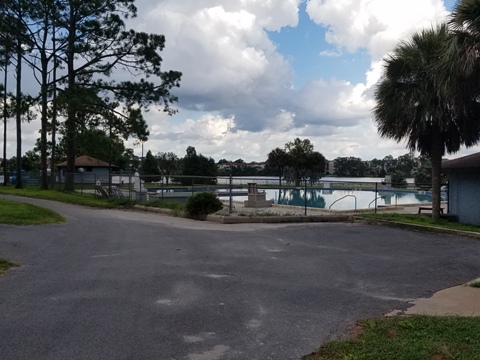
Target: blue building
464 188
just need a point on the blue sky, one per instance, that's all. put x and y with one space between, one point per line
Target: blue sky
257 74
304 43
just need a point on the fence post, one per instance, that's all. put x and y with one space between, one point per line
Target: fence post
162 188
305 197
231 196
376 196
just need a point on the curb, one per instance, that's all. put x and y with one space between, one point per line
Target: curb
227 220
279 219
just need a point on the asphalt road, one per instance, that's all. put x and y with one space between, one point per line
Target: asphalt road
113 284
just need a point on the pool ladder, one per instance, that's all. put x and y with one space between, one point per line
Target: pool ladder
343 197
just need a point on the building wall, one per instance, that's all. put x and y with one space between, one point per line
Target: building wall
464 197
88 177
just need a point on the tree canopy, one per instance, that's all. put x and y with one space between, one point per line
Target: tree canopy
297 161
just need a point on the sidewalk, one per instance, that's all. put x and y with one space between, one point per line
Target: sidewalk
462 300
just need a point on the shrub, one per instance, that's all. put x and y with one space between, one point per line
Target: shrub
202 204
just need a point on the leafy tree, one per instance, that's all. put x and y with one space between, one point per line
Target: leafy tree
302 159
31 161
349 166
423 178
297 161
316 168
399 179
376 168
278 161
406 164
168 164
150 167
411 104
199 165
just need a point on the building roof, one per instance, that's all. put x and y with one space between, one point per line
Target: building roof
87 161
468 162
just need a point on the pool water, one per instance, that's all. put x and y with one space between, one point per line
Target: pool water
344 199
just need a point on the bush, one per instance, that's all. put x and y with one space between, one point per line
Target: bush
202 204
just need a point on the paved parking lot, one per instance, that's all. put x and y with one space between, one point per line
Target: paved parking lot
113 284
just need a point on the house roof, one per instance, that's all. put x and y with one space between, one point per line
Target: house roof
85 160
468 162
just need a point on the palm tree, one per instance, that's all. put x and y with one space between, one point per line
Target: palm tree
413 104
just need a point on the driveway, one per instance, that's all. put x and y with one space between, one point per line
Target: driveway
111 284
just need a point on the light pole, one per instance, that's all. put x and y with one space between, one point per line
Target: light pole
81 170
141 172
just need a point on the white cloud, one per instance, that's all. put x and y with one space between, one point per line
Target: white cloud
331 53
236 94
229 65
375 25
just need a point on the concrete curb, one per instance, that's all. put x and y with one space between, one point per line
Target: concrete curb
313 219
279 219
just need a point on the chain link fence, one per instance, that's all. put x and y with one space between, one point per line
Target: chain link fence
336 195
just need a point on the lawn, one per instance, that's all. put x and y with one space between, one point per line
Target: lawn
423 220
16 213
407 338
88 199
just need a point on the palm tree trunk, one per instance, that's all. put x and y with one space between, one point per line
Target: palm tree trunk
436 154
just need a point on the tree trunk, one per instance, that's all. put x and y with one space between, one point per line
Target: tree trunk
44 125
19 182
70 122
54 112
436 154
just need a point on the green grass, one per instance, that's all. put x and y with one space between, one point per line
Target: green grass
90 200
72 198
423 220
475 284
17 213
178 209
408 338
5 265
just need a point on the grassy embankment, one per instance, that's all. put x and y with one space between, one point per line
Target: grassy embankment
423 220
85 199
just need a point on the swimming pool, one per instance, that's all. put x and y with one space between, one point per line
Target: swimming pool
344 199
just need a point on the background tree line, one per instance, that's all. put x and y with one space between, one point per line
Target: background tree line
296 162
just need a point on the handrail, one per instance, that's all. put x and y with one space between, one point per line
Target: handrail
374 201
344 198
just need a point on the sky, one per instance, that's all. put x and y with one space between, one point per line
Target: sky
260 73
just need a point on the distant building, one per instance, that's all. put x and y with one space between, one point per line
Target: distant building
330 167
464 188
88 170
